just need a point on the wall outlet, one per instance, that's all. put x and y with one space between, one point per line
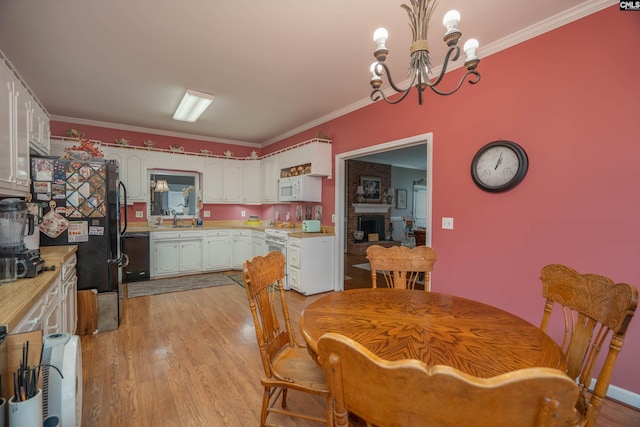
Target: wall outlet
243 213
139 214
207 214
333 217
447 223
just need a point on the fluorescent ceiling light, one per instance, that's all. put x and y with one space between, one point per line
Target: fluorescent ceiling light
192 106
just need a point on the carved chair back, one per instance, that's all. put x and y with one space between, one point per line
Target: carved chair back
367 386
596 311
402 267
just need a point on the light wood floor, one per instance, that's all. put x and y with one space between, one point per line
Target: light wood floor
190 359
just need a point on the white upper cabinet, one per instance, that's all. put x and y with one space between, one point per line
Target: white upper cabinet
269 174
15 107
316 154
40 133
132 171
250 181
212 186
222 182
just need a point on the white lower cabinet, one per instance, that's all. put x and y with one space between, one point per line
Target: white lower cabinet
310 266
258 244
175 252
45 314
69 301
217 255
240 247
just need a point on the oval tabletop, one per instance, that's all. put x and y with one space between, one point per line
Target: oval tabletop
438 329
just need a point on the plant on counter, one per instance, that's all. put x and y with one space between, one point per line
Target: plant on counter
185 194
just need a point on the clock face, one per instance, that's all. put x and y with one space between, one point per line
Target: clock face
499 166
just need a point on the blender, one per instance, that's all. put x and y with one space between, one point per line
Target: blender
14 221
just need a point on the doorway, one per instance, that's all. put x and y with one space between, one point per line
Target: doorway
340 197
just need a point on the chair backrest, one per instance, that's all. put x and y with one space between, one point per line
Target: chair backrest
263 280
401 266
595 310
410 393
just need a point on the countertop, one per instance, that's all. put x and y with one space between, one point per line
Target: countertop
17 297
295 231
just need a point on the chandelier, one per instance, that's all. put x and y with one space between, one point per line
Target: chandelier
420 64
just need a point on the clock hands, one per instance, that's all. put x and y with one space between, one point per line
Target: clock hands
498 162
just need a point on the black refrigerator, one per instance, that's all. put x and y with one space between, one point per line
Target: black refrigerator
85 193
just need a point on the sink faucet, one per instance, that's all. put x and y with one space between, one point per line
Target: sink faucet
175 215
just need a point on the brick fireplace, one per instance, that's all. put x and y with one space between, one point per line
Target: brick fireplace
374 219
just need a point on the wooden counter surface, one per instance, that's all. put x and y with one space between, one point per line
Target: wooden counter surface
296 231
17 297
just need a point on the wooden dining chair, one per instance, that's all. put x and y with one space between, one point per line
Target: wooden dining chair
595 310
410 393
287 363
401 267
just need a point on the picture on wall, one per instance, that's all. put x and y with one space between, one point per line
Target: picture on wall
401 199
371 187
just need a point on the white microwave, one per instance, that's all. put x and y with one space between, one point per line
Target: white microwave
301 188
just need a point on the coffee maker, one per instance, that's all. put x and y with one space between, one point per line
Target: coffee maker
14 220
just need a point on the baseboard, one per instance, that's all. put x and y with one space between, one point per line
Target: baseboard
624 396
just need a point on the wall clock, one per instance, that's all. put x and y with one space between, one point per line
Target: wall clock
499 166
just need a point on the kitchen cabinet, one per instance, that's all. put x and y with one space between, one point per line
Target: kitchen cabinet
191 255
316 153
69 288
132 170
222 181
212 186
250 181
310 265
14 139
258 244
269 175
45 313
240 247
175 252
39 133
217 254
232 182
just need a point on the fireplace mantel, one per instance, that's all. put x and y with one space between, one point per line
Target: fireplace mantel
371 207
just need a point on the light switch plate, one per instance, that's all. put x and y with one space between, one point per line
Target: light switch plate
447 223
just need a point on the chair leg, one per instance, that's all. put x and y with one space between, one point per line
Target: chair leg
330 422
265 405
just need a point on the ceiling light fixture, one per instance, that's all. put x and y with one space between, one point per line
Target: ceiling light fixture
420 64
192 106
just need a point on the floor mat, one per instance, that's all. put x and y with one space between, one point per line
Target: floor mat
237 278
176 284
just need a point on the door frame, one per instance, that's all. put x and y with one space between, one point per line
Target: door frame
340 198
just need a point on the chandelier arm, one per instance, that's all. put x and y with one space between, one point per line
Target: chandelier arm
471 81
445 64
391 83
380 94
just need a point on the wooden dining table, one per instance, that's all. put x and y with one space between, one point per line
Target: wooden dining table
436 328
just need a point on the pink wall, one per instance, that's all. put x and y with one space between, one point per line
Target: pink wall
569 97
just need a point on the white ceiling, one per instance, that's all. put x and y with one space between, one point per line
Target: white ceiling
276 67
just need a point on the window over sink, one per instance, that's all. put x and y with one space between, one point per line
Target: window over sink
180 195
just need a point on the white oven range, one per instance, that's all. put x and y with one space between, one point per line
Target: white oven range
276 240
